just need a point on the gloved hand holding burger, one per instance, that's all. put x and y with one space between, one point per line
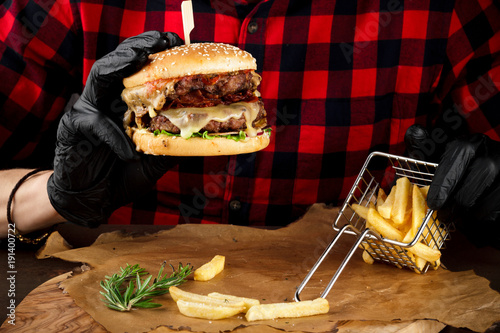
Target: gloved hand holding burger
190 100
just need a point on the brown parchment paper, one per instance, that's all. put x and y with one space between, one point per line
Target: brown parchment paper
54 244
269 265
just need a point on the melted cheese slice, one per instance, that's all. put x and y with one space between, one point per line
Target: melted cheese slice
148 95
192 120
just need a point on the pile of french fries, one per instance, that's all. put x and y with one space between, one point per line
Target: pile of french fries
216 306
399 216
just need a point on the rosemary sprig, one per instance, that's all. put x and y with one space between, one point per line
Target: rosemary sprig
138 293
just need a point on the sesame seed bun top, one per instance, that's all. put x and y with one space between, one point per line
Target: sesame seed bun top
196 58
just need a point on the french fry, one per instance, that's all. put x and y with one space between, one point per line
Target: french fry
408 236
407 221
207 311
387 250
425 190
433 232
288 310
381 197
436 265
425 252
360 210
181 295
400 205
209 270
382 226
419 208
410 255
420 263
248 302
386 208
367 257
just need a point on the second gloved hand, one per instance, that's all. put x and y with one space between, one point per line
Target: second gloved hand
468 177
466 185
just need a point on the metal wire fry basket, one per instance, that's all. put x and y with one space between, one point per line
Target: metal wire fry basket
432 232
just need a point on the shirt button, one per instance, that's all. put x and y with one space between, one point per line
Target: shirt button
235 205
252 27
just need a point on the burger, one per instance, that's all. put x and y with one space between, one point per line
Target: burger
199 99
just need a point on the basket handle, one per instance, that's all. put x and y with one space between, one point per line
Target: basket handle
361 236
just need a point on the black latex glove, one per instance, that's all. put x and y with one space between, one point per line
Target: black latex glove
466 185
96 167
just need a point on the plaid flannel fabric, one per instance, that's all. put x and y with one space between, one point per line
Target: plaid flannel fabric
340 79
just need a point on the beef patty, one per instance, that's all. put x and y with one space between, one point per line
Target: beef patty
205 90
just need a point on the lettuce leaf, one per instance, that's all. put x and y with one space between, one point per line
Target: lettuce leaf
236 137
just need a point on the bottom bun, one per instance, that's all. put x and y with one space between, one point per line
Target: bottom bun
151 144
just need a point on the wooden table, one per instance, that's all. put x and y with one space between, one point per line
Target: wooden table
36 280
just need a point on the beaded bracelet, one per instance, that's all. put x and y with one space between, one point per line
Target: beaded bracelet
21 238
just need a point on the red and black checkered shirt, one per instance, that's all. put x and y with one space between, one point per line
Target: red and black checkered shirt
339 79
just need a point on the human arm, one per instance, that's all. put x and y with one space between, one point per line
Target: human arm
31 209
